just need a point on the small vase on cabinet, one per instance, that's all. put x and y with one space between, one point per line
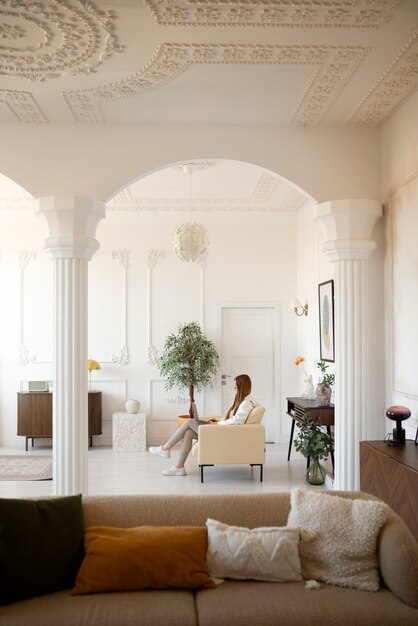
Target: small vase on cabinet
323 394
132 406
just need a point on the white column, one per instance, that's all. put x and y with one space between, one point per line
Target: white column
72 223
348 227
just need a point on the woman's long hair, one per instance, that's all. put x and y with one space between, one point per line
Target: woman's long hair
243 383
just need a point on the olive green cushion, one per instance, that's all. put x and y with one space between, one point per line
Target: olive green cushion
41 546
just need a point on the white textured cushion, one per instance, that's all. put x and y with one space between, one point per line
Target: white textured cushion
344 548
259 554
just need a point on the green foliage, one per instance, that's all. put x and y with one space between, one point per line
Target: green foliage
327 379
312 440
188 359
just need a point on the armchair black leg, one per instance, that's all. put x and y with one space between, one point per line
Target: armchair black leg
260 465
201 470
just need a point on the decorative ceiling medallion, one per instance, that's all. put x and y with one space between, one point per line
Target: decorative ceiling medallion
54 38
23 106
395 86
274 13
333 67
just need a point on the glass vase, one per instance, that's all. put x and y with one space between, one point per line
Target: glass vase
315 474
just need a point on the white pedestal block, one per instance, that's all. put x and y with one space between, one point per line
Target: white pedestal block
129 432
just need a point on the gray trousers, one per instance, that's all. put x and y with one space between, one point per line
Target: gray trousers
187 432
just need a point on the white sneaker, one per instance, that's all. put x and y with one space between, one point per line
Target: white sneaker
159 451
175 471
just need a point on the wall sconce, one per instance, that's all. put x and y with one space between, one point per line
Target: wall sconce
298 307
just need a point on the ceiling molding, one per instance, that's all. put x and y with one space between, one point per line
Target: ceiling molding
55 38
17 204
265 187
273 13
333 67
23 106
398 82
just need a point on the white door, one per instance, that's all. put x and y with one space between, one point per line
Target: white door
247 347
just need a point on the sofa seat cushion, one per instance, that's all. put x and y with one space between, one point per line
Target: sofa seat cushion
141 608
253 603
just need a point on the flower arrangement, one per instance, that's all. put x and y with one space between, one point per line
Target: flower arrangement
309 392
327 379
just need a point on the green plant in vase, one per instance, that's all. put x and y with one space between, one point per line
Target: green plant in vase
189 361
315 444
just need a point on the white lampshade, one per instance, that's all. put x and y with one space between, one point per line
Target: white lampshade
190 242
295 304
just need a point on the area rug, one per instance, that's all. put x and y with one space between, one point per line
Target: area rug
25 467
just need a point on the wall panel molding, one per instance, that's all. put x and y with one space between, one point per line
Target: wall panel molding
121 257
153 256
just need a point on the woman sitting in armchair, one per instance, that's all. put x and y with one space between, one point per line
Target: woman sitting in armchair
236 414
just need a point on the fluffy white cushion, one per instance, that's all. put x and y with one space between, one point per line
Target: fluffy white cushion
343 550
259 554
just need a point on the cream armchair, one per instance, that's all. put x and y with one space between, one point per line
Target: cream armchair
233 445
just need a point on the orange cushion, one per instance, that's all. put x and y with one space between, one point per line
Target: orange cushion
147 557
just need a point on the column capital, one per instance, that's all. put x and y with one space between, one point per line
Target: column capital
348 227
72 222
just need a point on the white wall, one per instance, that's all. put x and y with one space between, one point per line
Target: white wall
250 260
399 148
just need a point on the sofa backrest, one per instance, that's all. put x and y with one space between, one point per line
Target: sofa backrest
250 510
256 414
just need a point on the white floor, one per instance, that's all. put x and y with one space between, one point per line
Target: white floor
140 472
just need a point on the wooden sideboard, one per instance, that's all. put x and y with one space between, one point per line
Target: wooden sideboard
34 414
391 474
323 414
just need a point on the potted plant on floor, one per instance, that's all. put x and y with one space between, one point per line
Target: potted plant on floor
316 444
189 361
324 387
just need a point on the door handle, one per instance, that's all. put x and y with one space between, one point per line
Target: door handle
224 377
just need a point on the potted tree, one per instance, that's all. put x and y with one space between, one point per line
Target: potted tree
315 444
189 361
323 388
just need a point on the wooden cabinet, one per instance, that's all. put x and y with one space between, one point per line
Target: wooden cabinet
391 474
34 414
323 414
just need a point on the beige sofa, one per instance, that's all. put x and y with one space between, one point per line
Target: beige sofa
234 603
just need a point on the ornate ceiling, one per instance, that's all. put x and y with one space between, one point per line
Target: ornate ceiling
309 63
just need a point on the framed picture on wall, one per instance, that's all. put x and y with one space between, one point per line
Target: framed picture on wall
326 321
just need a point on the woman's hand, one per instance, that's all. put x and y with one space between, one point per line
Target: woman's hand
213 421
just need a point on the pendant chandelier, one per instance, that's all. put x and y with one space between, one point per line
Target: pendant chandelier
190 239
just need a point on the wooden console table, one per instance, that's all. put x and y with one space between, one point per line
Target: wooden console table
34 415
391 474
323 414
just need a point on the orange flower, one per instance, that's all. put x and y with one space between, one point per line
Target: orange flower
298 360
